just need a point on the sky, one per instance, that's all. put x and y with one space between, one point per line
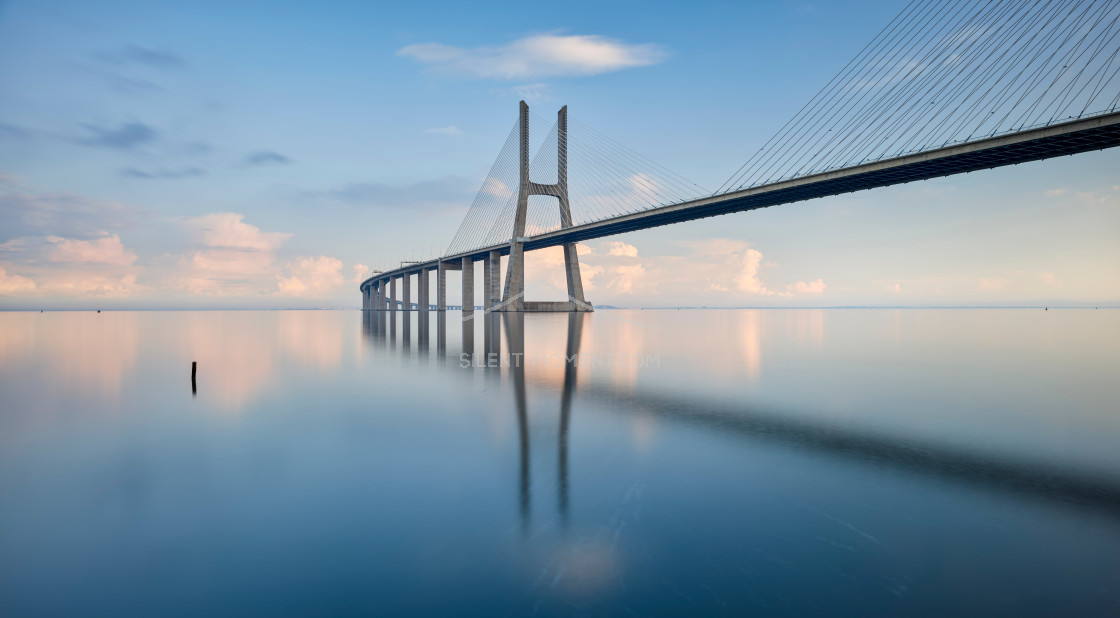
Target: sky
261 154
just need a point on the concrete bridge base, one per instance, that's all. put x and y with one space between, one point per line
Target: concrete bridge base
544 306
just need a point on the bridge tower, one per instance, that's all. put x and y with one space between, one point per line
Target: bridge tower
513 296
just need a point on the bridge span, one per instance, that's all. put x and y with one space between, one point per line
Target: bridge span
379 292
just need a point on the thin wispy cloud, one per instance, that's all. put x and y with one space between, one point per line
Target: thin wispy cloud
124 137
135 54
10 131
163 173
266 157
533 93
537 56
450 130
442 194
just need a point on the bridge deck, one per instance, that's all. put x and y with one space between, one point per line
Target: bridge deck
1056 140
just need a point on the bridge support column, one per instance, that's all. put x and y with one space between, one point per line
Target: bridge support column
486 274
392 294
422 294
441 287
494 291
380 304
468 285
406 292
513 299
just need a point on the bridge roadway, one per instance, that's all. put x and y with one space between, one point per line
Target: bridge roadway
1058 139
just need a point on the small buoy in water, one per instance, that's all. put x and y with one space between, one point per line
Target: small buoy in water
99 311
1046 309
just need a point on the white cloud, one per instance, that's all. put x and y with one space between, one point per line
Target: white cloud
536 56
14 283
812 287
58 266
449 130
228 230
497 188
361 272
532 93
619 248
311 277
104 250
714 271
235 258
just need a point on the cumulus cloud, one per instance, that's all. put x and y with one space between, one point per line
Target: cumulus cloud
619 248
237 259
812 287
311 277
228 230
720 271
266 157
536 56
495 187
104 250
127 136
58 266
234 258
361 272
10 283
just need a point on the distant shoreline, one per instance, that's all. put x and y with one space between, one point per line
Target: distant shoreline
597 308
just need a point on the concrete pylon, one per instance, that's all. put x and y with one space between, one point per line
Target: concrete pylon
423 289
468 285
494 292
513 298
441 286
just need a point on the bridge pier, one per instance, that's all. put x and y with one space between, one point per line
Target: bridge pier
392 293
422 294
486 274
494 290
441 286
468 285
406 292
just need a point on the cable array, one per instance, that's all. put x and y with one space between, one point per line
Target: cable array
605 180
946 72
499 186
942 72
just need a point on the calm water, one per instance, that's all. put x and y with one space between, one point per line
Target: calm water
774 462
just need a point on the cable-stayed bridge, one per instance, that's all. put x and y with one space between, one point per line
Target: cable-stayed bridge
945 88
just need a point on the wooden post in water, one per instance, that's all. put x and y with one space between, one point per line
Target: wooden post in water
194 370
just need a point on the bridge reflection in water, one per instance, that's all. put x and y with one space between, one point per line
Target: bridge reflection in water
380 328
503 354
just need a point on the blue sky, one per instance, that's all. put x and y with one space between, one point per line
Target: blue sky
263 154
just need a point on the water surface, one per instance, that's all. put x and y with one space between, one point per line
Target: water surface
774 462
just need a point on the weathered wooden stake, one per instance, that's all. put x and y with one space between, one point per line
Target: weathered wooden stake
194 369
